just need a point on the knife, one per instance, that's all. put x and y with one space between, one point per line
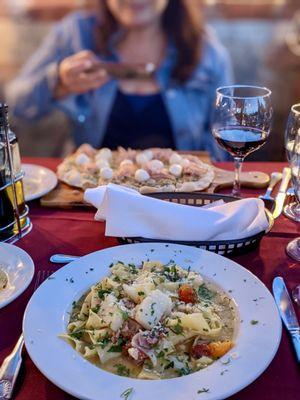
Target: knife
281 195
287 312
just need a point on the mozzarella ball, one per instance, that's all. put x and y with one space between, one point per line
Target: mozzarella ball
184 162
175 169
156 165
74 178
106 173
126 162
148 153
82 159
175 158
104 154
143 157
100 163
141 175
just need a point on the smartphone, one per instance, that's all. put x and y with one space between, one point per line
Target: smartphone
125 70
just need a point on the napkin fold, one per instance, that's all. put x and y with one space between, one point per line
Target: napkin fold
128 214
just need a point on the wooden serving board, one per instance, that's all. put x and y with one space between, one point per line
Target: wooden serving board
64 196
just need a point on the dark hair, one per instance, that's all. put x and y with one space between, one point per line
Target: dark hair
180 24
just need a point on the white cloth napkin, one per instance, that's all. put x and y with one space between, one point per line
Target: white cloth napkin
128 214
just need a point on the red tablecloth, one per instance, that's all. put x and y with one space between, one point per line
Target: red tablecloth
75 232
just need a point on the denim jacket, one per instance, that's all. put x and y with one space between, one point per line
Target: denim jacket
189 105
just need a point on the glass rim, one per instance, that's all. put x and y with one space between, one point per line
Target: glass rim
267 93
293 108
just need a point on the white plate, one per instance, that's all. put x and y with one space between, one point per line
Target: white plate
19 268
37 181
47 315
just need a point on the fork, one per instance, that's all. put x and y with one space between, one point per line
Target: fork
10 367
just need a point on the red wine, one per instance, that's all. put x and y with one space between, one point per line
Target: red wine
240 141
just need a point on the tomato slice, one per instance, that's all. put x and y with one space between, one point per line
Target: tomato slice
200 350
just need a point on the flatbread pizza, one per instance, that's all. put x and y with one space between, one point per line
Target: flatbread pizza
151 170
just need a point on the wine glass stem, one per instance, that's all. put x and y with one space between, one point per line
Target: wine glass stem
236 190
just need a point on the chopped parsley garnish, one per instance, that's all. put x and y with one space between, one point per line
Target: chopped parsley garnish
96 308
141 293
77 334
171 272
178 329
254 322
152 308
185 371
160 354
122 370
133 269
203 390
125 315
204 293
102 292
105 340
116 348
170 365
126 394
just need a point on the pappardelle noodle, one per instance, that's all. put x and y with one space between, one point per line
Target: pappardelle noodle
153 321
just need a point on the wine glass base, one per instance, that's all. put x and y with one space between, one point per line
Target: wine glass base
293 249
292 211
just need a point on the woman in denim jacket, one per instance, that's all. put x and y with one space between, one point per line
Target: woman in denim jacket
174 109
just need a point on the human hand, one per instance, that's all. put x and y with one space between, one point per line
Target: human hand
74 77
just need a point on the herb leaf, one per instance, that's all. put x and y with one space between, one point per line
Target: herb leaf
122 370
204 293
77 334
102 292
203 390
126 394
178 329
116 348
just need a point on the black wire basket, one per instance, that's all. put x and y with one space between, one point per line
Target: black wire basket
223 247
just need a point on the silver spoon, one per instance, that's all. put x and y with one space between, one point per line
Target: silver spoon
62 258
296 295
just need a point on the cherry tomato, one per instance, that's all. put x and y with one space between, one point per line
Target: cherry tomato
187 294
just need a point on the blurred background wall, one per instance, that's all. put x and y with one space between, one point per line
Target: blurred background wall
262 36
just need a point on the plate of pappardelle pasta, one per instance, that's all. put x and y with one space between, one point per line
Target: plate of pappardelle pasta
145 320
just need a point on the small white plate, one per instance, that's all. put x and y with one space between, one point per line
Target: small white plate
47 315
19 268
37 181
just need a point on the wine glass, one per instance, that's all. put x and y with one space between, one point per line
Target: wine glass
292 147
242 122
293 248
